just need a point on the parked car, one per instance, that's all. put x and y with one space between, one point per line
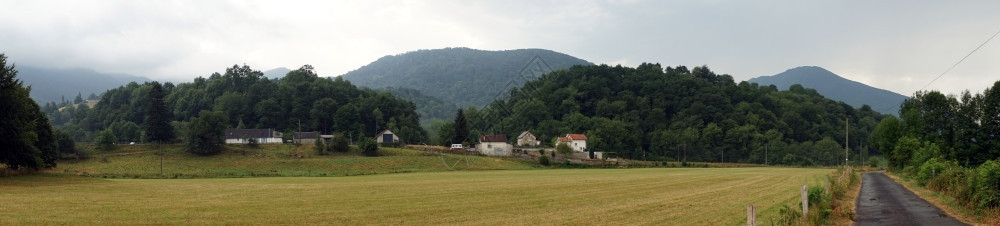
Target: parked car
457 147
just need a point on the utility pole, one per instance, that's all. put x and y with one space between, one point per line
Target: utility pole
847 133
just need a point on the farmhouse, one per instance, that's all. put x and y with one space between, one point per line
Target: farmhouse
527 139
243 136
576 141
387 137
494 145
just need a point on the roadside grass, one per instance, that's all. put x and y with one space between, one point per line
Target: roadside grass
143 161
659 196
946 203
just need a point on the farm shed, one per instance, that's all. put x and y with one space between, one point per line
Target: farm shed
494 145
387 137
305 137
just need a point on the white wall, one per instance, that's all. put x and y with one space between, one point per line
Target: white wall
495 149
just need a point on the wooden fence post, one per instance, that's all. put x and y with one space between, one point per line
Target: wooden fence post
751 215
805 201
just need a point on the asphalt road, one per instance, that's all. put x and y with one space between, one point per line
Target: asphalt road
882 201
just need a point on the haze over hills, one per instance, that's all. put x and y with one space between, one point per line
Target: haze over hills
276 73
463 76
51 85
835 87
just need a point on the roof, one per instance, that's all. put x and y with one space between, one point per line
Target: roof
250 133
576 136
564 139
492 138
384 132
305 135
525 134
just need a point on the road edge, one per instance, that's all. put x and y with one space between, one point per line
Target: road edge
943 205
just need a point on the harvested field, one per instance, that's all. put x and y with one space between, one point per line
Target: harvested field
678 196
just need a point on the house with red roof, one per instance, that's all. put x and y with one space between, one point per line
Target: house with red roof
575 140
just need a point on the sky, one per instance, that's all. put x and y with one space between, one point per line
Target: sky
896 45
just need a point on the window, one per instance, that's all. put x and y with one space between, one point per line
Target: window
489 146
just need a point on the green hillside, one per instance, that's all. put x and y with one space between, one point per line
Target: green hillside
672 113
463 76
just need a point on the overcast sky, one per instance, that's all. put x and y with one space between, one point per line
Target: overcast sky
896 45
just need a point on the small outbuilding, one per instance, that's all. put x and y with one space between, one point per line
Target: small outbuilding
494 145
387 137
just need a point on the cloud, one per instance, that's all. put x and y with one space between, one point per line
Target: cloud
874 42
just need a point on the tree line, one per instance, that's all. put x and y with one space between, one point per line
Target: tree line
673 113
243 98
948 143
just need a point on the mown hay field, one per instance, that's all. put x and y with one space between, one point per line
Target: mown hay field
142 161
659 196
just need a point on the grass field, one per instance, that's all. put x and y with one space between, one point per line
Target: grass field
673 196
141 161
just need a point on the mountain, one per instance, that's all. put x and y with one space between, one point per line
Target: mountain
835 87
462 76
51 85
277 73
428 107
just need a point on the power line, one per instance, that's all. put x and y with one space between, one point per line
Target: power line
960 61
954 65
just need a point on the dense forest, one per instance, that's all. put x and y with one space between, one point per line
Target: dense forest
299 101
673 113
463 76
948 143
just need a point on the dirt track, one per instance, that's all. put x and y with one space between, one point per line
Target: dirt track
882 201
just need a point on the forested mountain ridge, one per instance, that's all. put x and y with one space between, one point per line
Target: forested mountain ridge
428 107
52 85
835 87
299 101
655 113
463 76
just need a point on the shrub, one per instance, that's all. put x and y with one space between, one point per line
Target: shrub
252 143
340 143
930 169
954 181
873 161
788 215
544 160
368 147
541 152
564 150
988 184
319 147
815 194
82 153
106 141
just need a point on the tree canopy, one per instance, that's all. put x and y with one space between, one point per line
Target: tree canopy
243 94
674 113
26 137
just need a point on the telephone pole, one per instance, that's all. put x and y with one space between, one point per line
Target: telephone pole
847 133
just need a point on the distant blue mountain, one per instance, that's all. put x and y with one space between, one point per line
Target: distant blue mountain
835 87
51 85
276 73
